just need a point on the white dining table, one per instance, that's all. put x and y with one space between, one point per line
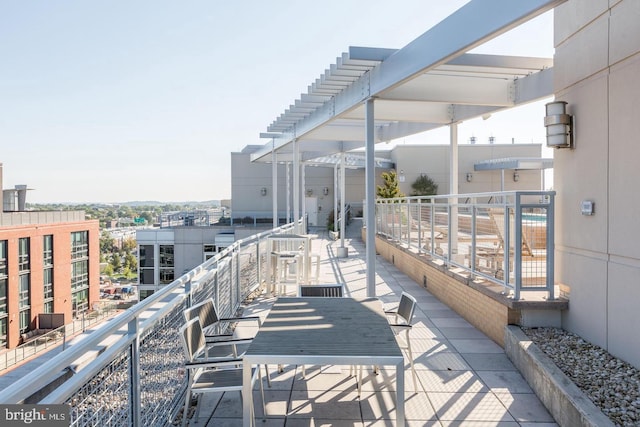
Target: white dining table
324 331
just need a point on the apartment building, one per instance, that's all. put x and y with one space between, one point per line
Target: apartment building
49 263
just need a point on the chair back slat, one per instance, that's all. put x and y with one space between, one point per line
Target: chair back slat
192 339
331 291
406 307
205 311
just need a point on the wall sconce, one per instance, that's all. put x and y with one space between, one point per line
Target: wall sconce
263 191
516 177
325 191
469 176
309 192
559 125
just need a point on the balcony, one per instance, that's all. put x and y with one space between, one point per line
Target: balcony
129 371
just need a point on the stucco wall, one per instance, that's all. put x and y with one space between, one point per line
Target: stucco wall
596 64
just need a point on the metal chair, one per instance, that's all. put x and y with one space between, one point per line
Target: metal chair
212 326
403 317
206 376
332 291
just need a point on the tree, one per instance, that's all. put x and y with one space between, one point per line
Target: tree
129 244
116 262
108 270
424 186
106 242
391 188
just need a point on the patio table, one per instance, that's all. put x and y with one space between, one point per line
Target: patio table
325 331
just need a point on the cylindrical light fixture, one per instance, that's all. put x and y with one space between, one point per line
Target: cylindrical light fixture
559 125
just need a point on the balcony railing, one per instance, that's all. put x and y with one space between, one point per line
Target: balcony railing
129 370
505 238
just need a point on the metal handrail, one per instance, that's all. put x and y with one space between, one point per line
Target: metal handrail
477 232
98 356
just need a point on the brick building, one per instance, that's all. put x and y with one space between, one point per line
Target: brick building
49 263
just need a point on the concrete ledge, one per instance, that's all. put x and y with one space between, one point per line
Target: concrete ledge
568 405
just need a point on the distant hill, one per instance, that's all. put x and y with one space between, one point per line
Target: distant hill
206 203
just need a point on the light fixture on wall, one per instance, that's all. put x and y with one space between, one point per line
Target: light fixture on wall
516 176
263 191
559 125
469 176
309 192
325 191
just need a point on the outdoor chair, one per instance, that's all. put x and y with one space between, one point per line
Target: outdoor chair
206 376
332 291
402 317
212 325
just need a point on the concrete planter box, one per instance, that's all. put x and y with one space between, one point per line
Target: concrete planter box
568 405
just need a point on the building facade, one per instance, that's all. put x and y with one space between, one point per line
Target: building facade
596 64
252 189
49 263
165 254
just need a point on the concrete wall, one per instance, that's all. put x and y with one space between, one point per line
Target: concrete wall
247 179
433 160
597 64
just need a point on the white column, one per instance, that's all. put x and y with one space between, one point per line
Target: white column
296 184
370 188
453 188
335 197
343 215
274 184
303 196
288 192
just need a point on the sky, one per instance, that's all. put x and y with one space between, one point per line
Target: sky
117 101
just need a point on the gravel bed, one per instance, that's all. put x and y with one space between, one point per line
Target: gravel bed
612 384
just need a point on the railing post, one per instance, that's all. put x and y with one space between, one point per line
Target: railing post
134 374
474 241
419 207
449 234
518 247
551 246
506 247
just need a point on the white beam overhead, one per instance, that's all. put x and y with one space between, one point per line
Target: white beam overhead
429 83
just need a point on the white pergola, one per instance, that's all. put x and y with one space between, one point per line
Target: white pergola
373 95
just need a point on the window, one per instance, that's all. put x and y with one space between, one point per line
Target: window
166 264
80 271
3 279
47 251
47 273
79 245
25 320
80 301
146 260
23 292
24 279
23 254
3 293
209 251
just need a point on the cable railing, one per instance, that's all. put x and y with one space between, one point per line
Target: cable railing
505 238
129 371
